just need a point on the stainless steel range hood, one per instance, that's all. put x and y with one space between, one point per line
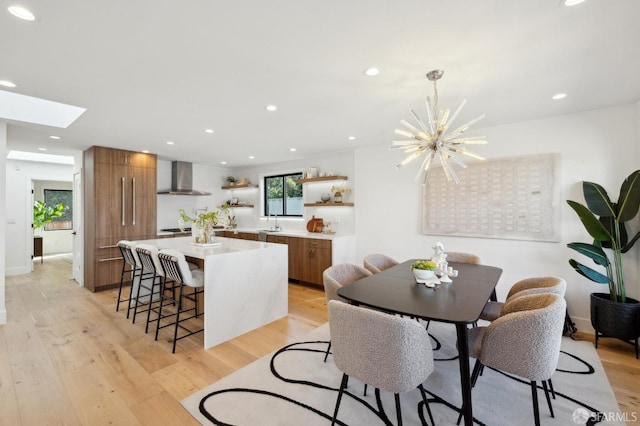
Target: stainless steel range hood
182 180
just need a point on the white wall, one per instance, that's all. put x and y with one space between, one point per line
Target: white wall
3 220
600 146
341 218
19 211
205 178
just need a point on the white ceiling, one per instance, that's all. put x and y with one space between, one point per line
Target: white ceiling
150 71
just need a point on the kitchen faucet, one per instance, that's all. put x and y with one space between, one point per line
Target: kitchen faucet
276 227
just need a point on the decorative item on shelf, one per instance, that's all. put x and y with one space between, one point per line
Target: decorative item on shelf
339 192
613 315
311 172
231 180
434 138
244 181
325 197
315 224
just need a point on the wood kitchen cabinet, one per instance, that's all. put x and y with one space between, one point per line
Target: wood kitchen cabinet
313 257
119 204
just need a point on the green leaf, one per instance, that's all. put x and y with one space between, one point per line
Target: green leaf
629 199
593 252
597 199
590 222
589 273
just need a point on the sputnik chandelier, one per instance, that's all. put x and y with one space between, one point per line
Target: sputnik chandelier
434 139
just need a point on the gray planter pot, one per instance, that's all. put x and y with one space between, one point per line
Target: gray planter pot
616 319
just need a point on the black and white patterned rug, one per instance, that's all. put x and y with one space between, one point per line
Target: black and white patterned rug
293 386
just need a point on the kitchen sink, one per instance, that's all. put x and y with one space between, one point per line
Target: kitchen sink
270 230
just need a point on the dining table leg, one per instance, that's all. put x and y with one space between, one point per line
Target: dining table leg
465 376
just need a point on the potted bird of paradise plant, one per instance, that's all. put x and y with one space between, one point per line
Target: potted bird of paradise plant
613 314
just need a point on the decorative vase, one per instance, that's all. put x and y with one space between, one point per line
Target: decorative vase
423 274
325 197
337 197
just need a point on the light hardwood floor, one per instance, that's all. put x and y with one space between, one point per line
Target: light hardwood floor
67 357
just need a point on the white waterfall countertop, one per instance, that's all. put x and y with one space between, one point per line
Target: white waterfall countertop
246 283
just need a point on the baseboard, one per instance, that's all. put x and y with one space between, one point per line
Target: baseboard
16 271
583 324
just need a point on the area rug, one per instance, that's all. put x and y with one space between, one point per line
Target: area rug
294 386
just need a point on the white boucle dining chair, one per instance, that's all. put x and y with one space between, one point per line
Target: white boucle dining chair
525 341
527 286
385 351
377 262
337 276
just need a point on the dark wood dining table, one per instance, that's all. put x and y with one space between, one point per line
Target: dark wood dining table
460 302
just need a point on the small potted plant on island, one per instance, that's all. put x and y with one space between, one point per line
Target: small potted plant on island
423 269
614 314
202 225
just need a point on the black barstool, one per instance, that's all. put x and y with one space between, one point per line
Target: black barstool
176 268
151 279
131 265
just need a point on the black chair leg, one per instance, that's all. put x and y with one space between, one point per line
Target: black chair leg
398 411
477 369
426 403
162 284
343 385
534 396
546 394
175 331
553 392
327 353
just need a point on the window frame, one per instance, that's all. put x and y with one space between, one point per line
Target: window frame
298 174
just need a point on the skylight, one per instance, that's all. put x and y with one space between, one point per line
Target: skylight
43 158
28 109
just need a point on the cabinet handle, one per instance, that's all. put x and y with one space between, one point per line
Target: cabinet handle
111 259
105 247
123 201
133 200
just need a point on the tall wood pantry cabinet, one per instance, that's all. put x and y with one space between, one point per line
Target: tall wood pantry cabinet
120 203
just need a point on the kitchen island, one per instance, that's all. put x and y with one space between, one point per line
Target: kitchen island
245 282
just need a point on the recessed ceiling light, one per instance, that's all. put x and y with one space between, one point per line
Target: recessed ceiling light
223 162
209 131
42 149
559 96
292 149
271 108
352 138
7 83
54 137
145 151
251 157
170 142
371 71
22 13
572 2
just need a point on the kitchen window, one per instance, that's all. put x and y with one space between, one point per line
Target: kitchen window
282 195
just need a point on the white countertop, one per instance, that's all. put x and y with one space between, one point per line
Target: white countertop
189 248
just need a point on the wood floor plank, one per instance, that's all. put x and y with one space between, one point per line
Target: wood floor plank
163 410
8 400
